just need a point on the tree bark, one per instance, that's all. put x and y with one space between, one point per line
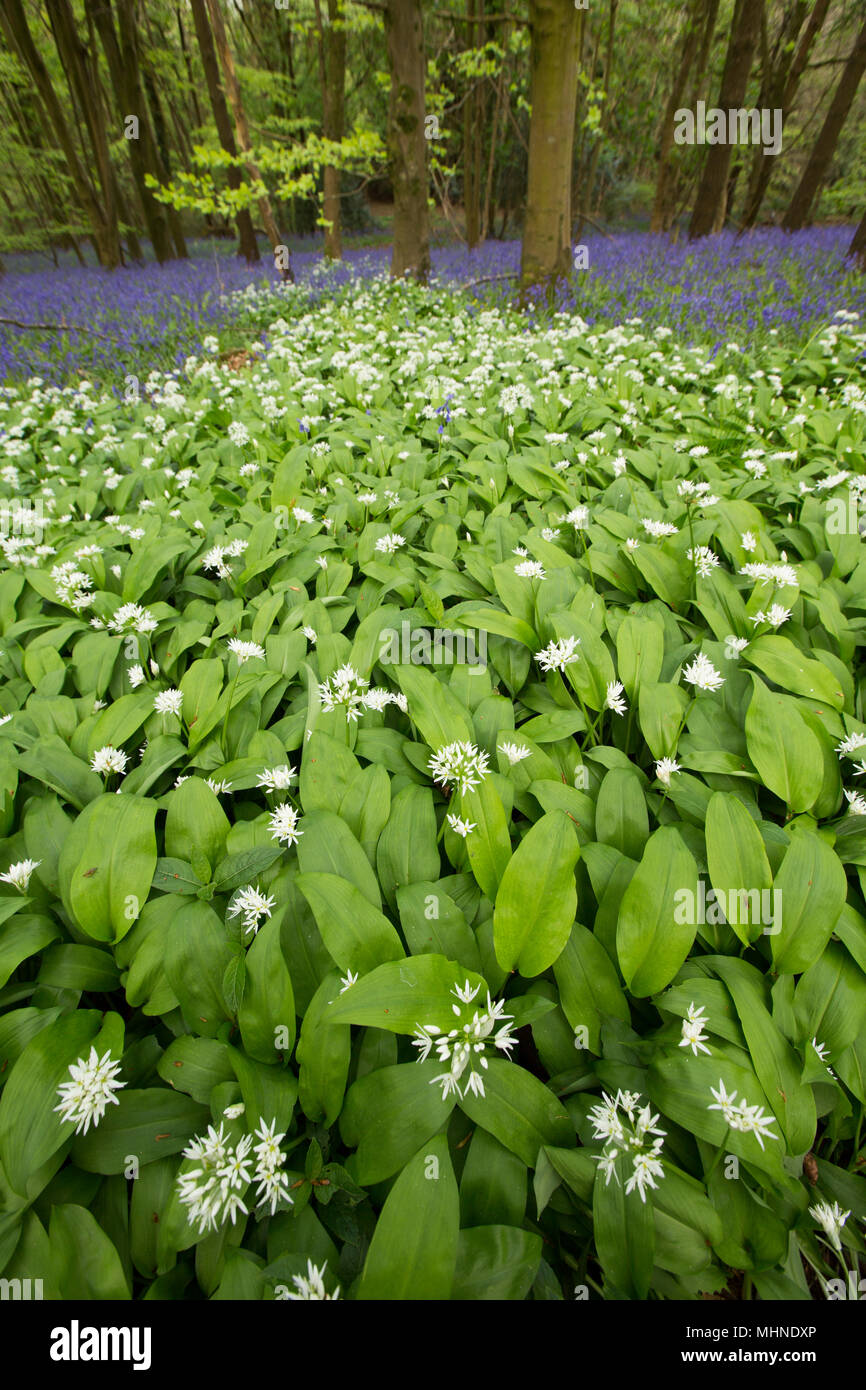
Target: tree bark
709 211
779 89
14 22
688 48
129 100
247 244
407 144
242 135
473 118
546 251
81 73
857 249
589 181
815 172
332 67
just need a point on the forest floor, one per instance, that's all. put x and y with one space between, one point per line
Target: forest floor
108 326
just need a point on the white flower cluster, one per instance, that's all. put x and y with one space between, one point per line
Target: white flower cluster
557 655
310 1289
253 904
461 763
83 1098
465 1046
214 1190
131 617
629 1140
749 1119
347 689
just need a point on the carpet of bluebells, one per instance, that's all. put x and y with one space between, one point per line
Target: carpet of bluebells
129 322
338 960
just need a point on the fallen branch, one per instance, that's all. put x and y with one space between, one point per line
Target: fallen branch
59 328
486 279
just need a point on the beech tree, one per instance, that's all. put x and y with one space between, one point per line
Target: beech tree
248 246
824 148
711 202
546 253
407 143
242 135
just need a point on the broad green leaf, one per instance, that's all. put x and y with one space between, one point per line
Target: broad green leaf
537 899
654 932
413 1252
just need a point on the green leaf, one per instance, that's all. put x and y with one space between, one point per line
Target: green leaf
496 1262
402 994
780 661
651 943
413 1252
107 865
519 1111
588 985
388 1114
537 898
84 1262
357 935
267 1007
785 753
30 1128
323 1054
624 1235
197 952
737 861
812 889
144 1125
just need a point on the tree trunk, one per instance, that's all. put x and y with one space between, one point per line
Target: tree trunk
819 161
546 251
14 22
332 68
161 148
407 144
242 136
857 249
589 181
779 90
248 246
473 119
129 99
709 211
82 75
688 48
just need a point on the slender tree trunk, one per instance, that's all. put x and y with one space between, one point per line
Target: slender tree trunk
589 181
473 116
407 145
14 22
664 179
679 191
709 211
81 72
184 47
546 252
242 136
779 90
332 69
825 146
129 100
857 249
161 145
248 246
